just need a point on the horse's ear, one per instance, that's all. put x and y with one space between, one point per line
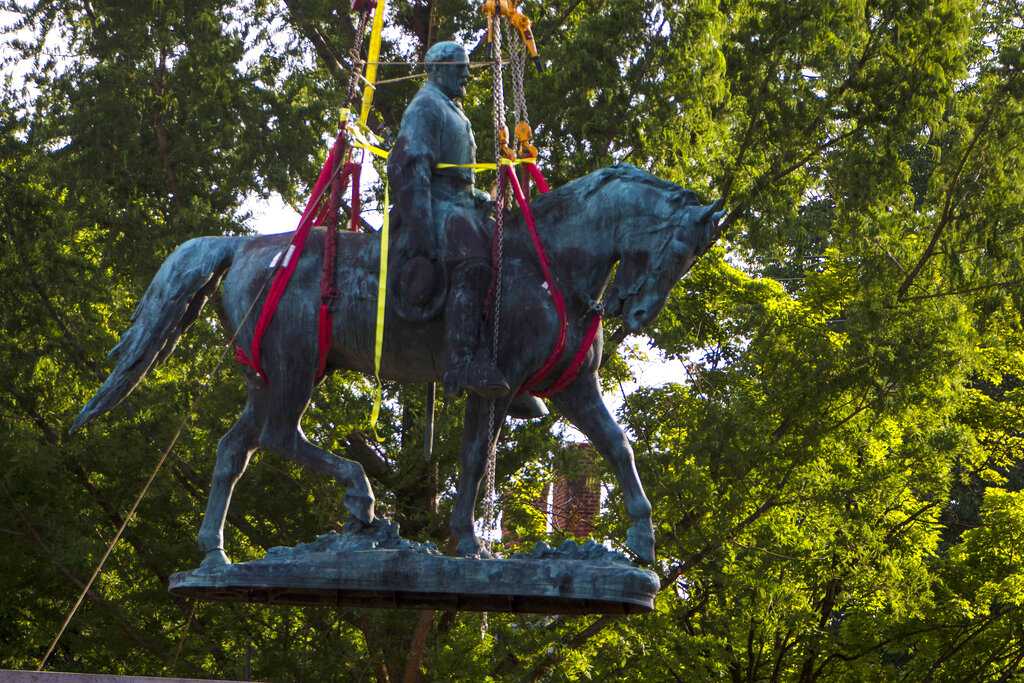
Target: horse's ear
709 211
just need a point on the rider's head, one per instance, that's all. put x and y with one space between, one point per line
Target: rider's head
448 68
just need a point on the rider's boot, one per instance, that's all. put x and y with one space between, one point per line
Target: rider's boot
469 364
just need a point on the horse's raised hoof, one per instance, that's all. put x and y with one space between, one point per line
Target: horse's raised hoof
360 507
640 540
214 558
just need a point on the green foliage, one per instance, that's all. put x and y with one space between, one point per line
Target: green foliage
836 473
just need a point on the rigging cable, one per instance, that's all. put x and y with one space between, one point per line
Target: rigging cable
205 386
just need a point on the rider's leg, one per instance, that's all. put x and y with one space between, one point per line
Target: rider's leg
469 365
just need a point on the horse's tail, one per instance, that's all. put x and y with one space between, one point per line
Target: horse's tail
170 305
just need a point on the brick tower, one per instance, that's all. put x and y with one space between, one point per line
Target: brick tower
576 498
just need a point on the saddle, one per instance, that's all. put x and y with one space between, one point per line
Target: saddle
419 282
419 287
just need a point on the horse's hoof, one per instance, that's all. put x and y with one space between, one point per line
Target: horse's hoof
360 507
640 540
472 548
215 558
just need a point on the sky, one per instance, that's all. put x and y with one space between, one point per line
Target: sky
270 215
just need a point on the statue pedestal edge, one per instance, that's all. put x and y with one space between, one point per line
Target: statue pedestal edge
407 579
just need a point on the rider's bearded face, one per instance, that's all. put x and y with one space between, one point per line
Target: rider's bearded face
451 78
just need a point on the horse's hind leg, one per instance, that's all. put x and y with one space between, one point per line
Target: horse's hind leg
581 404
280 406
233 453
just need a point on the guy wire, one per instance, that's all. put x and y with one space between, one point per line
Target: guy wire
145 489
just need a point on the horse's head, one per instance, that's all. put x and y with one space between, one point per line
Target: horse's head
652 260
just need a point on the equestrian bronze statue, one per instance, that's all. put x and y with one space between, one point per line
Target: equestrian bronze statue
435 326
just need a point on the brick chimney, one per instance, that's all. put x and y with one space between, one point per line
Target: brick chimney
571 503
576 498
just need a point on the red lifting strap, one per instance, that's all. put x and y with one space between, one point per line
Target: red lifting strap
328 290
572 370
315 213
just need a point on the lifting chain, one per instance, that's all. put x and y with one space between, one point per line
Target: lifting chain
356 60
500 150
355 56
518 60
524 133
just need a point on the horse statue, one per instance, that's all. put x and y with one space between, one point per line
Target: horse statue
653 229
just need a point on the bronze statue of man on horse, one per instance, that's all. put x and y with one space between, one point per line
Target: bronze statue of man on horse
653 229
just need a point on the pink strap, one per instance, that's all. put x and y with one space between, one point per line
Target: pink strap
328 286
568 375
538 178
284 275
553 291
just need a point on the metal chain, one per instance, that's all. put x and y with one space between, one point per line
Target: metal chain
518 60
490 493
356 57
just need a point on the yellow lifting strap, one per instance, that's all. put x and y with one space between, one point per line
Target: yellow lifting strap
360 134
371 62
378 344
363 138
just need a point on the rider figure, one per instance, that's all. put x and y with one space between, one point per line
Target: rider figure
441 216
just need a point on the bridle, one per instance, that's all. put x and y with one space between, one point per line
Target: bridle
643 283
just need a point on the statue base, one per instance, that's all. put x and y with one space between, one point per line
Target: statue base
376 568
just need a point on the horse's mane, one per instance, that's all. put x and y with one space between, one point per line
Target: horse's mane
588 185
561 204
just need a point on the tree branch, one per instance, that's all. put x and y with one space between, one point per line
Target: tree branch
418 647
947 209
959 292
359 448
556 653
129 629
331 60
75 469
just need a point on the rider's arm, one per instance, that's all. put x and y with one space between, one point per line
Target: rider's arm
410 167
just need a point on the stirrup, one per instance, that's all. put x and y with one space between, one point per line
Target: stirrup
527 407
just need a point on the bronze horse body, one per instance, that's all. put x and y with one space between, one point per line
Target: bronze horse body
653 229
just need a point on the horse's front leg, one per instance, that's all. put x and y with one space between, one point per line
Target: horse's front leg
476 442
581 404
